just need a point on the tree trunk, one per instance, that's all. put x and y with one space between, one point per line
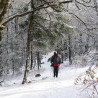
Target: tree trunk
7 52
38 60
28 52
3 10
62 57
80 45
16 24
13 66
4 4
31 58
69 49
34 60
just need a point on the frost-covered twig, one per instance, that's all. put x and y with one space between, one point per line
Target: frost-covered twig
89 79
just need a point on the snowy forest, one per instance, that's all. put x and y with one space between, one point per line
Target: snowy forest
30 32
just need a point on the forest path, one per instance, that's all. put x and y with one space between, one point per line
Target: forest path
50 87
46 86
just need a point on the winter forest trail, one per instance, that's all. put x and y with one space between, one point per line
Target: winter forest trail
47 86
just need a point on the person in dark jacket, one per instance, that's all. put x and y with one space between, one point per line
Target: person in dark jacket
55 61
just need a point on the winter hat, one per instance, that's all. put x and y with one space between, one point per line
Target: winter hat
55 54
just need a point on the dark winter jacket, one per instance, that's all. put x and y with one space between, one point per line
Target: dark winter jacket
55 60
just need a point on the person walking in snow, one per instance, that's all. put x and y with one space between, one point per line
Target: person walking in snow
55 62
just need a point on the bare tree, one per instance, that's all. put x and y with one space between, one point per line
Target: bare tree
4 4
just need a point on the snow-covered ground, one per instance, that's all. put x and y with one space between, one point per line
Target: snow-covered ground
46 86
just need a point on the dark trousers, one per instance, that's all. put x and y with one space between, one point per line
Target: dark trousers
56 68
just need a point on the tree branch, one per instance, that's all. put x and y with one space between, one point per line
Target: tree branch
62 2
18 15
66 2
35 9
85 24
83 4
86 1
23 14
5 5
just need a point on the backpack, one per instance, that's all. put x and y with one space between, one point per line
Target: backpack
56 60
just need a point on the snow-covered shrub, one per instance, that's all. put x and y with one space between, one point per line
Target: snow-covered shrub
80 61
90 81
85 59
